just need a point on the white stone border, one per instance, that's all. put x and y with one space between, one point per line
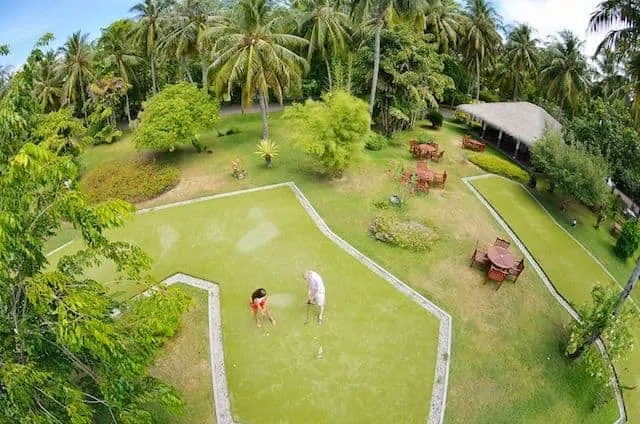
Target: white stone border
549 285
223 409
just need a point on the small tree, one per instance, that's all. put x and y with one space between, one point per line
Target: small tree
61 133
629 240
176 115
332 130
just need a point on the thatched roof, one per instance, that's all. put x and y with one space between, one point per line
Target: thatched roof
521 120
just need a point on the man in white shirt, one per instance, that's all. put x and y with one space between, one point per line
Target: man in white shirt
315 291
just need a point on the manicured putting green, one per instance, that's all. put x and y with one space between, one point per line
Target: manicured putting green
568 266
378 347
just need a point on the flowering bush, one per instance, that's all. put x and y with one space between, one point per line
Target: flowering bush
412 235
237 170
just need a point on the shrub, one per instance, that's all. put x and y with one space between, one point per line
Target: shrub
461 117
412 235
497 165
267 150
489 96
436 119
375 141
629 240
133 181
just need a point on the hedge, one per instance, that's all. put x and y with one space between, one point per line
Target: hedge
497 165
133 181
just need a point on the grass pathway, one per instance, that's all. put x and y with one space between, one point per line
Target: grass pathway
571 269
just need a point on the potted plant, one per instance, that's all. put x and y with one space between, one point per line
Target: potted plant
237 171
267 150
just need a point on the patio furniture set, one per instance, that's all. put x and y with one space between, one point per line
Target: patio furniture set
424 177
498 262
471 144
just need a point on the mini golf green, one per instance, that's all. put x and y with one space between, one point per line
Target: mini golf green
378 347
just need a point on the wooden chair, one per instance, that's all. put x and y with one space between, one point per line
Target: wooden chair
517 270
440 179
438 157
496 274
422 185
502 243
413 147
479 255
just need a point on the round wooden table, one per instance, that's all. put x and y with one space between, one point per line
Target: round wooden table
501 257
426 150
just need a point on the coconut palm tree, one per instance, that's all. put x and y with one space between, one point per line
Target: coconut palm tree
76 68
325 27
611 82
622 19
119 54
521 54
257 56
147 31
442 19
376 14
481 41
47 83
564 75
188 23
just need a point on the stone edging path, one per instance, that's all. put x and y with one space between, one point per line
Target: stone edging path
549 285
222 403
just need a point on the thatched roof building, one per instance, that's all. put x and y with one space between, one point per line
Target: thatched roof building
523 121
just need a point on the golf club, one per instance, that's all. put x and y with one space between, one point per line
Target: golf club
306 321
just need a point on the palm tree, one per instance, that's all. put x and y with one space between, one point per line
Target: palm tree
325 27
188 29
481 41
442 18
256 55
147 31
521 54
119 54
611 82
76 68
47 83
622 19
564 74
378 13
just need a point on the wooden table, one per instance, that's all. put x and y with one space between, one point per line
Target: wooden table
426 150
501 257
426 175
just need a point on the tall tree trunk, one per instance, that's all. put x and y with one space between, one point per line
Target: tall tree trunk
326 62
265 117
349 72
477 78
624 294
154 87
376 68
84 100
515 87
631 282
127 107
205 70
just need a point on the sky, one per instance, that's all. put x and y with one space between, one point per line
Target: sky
22 22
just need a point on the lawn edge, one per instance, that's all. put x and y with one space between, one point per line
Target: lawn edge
443 359
547 282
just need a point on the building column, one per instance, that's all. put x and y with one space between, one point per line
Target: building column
499 138
484 127
515 154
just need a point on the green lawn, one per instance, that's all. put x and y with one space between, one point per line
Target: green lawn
379 347
507 362
569 267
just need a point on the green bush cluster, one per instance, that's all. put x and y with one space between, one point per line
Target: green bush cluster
461 117
436 119
497 165
489 96
133 181
388 227
629 240
375 141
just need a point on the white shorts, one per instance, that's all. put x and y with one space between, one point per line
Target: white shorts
318 299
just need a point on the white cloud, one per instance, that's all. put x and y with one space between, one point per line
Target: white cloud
549 17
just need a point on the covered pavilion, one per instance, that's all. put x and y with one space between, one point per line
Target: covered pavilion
513 126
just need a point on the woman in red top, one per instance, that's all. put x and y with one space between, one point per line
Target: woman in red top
258 303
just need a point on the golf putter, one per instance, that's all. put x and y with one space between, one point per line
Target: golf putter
306 321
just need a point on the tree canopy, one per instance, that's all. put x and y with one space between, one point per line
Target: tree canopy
176 115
